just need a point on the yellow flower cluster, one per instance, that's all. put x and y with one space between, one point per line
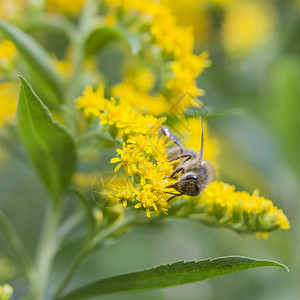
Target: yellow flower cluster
8 100
63 6
156 105
246 25
175 42
8 50
239 210
143 153
11 8
6 292
144 160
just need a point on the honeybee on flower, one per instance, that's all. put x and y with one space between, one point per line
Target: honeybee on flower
151 168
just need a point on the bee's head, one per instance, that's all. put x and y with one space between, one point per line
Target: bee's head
189 185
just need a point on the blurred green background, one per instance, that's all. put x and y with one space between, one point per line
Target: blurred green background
257 89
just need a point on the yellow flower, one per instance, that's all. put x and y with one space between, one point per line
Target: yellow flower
147 198
8 50
63 6
8 100
85 180
143 153
63 66
92 102
240 210
144 159
246 25
12 8
6 292
123 193
128 159
174 41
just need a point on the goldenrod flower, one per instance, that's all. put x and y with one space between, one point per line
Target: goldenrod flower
246 25
63 6
11 8
92 102
123 193
128 159
8 100
156 105
6 292
8 50
147 198
144 159
175 42
64 67
143 153
221 205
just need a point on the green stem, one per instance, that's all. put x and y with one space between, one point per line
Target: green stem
95 241
47 249
16 244
78 42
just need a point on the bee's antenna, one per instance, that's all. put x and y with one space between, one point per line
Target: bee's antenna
202 143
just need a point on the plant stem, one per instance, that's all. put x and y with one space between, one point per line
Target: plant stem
16 244
47 249
78 42
95 241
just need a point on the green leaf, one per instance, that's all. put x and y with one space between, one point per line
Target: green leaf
38 61
49 145
102 36
169 275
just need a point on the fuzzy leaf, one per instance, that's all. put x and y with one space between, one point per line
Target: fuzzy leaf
169 275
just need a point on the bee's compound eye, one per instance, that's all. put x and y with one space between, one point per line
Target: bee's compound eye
192 177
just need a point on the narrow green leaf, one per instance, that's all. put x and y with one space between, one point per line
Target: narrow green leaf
49 145
102 36
37 59
169 275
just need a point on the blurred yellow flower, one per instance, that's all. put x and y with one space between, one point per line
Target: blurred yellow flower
174 41
247 24
11 8
85 180
64 67
63 6
92 102
191 12
155 105
8 50
6 292
8 100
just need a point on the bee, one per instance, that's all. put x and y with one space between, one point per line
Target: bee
194 174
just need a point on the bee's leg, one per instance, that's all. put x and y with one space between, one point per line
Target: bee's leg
180 156
167 132
181 169
174 195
